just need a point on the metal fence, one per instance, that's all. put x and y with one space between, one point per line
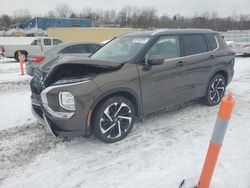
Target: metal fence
235 35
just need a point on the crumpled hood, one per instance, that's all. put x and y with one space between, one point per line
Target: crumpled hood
74 59
75 68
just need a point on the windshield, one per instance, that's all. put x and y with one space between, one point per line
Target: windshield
121 49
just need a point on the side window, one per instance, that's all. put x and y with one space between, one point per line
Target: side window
194 44
79 48
166 46
212 41
47 42
91 48
221 41
38 42
56 41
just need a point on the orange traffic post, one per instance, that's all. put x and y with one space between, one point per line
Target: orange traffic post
219 131
21 62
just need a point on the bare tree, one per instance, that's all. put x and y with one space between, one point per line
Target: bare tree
63 10
21 15
73 15
138 17
51 14
5 21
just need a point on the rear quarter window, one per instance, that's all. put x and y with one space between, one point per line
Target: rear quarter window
212 41
221 41
194 44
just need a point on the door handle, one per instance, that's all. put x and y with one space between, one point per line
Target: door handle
179 64
211 57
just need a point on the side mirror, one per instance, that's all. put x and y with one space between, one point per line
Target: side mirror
155 60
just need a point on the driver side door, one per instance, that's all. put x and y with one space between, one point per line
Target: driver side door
165 84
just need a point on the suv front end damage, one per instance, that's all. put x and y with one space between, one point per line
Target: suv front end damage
61 99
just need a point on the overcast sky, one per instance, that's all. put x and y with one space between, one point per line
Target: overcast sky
170 7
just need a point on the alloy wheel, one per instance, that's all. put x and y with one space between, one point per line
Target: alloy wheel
217 90
116 120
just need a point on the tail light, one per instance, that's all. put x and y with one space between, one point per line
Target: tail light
38 59
246 46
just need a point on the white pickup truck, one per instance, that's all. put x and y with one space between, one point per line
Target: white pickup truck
26 45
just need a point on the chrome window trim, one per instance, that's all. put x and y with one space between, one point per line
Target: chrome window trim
217 43
218 46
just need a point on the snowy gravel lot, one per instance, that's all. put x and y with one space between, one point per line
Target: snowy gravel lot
159 152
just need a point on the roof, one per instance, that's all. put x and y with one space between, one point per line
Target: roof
170 31
74 43
47 18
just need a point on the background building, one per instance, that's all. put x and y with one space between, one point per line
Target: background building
94 34
45 23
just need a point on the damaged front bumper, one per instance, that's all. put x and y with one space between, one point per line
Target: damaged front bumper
42 119
59 121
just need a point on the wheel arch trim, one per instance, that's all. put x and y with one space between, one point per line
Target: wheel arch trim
212 74
122 91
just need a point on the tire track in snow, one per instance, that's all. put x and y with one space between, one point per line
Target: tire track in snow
13 86
19 145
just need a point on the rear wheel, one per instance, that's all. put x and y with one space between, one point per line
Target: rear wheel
216 90
113 119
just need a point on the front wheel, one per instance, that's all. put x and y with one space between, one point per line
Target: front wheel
215 91
113 119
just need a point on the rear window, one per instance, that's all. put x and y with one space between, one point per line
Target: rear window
212 41
79 48
91 48
194 44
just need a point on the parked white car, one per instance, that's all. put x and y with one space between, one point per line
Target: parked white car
241 47
26 45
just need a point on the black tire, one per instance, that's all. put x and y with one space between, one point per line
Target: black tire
113 119
216 90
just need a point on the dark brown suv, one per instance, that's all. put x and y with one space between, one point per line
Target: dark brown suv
131 76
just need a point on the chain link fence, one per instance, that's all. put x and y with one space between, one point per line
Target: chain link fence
235 35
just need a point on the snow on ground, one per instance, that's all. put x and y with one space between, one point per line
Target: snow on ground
159 152
15 96
18 111
10 71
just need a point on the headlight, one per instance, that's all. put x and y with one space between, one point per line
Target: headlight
67 100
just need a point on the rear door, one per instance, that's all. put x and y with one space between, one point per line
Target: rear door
35 48
198 61
163 85
47 43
